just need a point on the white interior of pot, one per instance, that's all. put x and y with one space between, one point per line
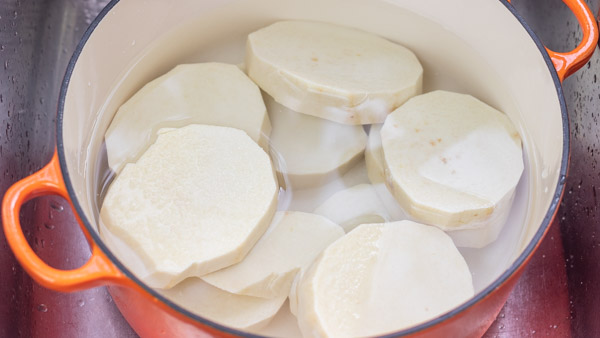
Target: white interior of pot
466 46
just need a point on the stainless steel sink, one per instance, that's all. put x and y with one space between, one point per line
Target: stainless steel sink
36 41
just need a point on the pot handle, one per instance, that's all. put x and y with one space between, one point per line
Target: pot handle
97 271
569 62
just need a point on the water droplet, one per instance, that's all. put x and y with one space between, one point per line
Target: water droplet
56 206
43 242
5 64
80 302
89 83
42 308
545 173
133 43
554 326
49 226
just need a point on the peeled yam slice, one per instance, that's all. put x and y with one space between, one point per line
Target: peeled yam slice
357 205
236 311
314 151
284 324
389 202
310 198
291 243
480 237
205 93
381 278
375 170
337 73
451 160
196 201
374 155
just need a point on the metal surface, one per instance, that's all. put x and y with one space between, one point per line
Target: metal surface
556 296
36 42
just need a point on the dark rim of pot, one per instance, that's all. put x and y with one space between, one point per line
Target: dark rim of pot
504 277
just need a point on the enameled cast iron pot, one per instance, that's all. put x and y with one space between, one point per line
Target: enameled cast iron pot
478 47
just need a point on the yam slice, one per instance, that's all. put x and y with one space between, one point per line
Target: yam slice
351 207
236 311
374 155
204 93
291 243
451 160
333 72
195 202
381 278
314 151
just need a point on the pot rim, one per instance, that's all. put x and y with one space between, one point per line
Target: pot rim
497 283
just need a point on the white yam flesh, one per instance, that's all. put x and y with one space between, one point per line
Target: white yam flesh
284 324
452 161
204 93
240 312
333 72
291 243
470 238
310 198
196 201
314 151
381 278
351 207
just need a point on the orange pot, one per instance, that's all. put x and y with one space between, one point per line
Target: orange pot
489 52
